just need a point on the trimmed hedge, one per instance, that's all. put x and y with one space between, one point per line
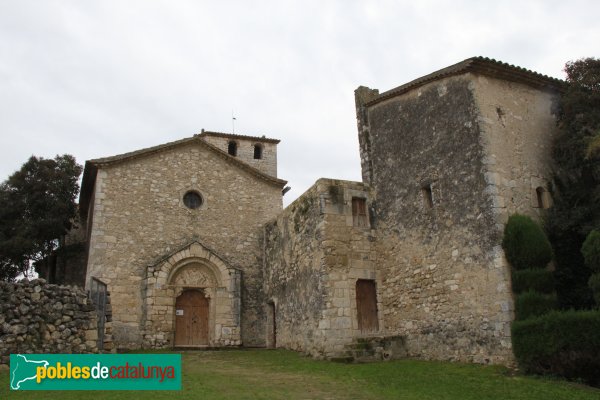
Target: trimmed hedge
533 304
525 243
591 251
594 284
539 280
564 343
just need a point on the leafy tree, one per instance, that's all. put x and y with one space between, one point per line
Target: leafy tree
37 206
576 208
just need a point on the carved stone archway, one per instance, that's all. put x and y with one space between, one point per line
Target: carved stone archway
192 267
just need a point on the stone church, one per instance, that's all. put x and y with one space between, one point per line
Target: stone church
196 251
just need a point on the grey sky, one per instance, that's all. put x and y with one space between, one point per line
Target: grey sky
99 78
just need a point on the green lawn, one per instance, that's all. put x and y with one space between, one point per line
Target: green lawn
268 374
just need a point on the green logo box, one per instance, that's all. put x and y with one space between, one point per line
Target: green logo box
95 371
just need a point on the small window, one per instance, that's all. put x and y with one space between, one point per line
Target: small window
192 200
427 196
359 212
543 198
232 148
258 152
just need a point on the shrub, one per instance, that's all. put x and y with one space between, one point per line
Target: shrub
564 343
539 280
591 251
594 284
525 243
532 304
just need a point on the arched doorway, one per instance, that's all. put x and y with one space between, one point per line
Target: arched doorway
191 319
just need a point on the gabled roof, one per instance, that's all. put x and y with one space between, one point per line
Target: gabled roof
234 136
92 166
478 65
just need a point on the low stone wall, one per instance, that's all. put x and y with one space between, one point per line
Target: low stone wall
36 317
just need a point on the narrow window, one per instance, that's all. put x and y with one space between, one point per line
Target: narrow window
232 148
427 196
258 152
366 305
359 212
543 200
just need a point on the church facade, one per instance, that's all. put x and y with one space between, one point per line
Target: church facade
196 251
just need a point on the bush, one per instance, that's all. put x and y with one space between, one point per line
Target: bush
525 243
594 284
539 280
564 343
591 251
533 304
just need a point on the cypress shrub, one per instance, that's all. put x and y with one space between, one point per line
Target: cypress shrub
591 251
532 304
591 254
564 343
594 284
525 243
539 280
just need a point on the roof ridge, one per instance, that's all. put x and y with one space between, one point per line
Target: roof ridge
480 64
234 135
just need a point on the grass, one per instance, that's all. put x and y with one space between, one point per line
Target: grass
268 374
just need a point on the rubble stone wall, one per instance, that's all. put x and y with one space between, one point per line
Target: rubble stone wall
445 287
36 317
313 258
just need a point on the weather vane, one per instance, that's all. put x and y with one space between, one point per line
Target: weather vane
232 122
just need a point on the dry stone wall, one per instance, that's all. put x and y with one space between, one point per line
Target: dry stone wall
36 317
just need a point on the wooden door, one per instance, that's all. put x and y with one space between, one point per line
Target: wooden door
191 319
366 305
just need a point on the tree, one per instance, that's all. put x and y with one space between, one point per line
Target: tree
37 207
576 209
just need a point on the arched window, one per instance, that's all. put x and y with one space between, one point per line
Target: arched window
232 148
543 197
258 151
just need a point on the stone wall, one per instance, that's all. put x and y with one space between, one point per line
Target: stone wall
139 221
445 286
518 127
245 151
36 317
313 259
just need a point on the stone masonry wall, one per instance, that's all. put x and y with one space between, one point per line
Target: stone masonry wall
518 127
314 256
245 152
445 287
139 218
36 317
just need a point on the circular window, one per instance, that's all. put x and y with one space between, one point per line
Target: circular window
192 200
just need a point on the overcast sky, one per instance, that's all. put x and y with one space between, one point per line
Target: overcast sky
99 78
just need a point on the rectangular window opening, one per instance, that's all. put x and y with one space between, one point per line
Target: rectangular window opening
427 196
359 212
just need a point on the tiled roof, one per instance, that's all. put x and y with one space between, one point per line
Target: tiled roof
478 65
234 136
91 166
